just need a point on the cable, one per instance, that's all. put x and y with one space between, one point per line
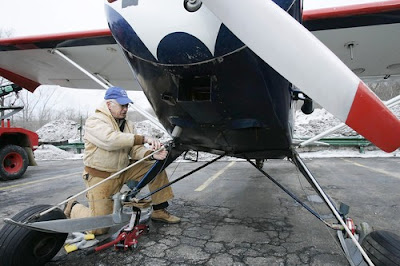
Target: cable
312 205
180 178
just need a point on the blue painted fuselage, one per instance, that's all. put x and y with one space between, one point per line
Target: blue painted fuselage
225 98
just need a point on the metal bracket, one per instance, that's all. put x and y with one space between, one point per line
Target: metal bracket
15 109
350 46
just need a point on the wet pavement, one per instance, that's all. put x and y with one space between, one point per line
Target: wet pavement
213 235
233 215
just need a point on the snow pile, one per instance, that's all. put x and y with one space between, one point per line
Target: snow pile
396 110
307 126
320 120
59 130
147 128
50 152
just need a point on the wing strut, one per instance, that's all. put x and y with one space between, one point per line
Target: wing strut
390 103
105 84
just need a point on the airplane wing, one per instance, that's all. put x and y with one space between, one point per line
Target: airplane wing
31 61
364 36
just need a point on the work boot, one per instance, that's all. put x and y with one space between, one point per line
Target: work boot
163 215
68 207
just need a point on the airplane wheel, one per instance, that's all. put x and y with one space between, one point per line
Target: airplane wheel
14 161
383 248
22 246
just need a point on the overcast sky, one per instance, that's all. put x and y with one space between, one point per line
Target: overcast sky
35 17
32 17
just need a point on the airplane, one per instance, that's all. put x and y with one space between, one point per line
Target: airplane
222 77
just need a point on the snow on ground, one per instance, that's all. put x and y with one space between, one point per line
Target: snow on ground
305 126
348 153
50 152
58 131
320 120
147 128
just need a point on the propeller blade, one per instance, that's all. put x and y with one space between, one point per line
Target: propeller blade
302 59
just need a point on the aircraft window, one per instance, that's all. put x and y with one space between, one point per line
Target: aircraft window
195 89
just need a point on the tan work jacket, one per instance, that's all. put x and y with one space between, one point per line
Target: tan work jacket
106 147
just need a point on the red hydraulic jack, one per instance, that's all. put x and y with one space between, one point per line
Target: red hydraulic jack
128 236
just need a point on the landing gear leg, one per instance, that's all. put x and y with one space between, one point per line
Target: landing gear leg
260 163
340 217
294 156
154 171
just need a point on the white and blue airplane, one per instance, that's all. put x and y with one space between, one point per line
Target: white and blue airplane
223 76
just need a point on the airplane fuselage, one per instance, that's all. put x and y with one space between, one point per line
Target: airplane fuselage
201 77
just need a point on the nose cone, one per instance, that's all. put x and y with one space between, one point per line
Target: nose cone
164 32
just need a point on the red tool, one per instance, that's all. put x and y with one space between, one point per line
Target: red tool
128 236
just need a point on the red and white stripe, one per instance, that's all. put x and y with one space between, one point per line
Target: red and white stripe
351 10
302 59
372 119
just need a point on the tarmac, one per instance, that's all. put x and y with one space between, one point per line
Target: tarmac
232 214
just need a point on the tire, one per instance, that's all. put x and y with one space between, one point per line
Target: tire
14 161
22 246
383 248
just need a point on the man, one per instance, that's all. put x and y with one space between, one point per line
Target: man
111 143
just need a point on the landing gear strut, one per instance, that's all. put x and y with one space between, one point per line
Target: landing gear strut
343 223
260 163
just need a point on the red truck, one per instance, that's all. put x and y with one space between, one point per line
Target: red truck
16 144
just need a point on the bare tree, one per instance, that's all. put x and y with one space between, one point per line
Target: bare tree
37 106
70 114
4 33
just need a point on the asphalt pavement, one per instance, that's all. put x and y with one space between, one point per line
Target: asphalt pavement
231 213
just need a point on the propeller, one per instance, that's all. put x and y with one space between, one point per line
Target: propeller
301 58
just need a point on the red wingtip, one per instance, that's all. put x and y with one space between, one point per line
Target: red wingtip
26 83
372 119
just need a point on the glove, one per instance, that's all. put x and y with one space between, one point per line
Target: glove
80 241
155 143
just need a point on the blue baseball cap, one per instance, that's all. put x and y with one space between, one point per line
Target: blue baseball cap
118 94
